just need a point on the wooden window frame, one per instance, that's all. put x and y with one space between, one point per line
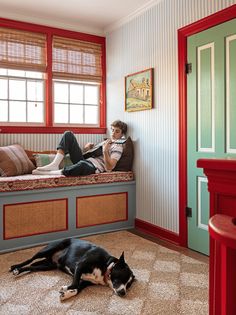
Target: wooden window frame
49 127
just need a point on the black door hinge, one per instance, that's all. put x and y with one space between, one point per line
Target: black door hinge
188 68
188 212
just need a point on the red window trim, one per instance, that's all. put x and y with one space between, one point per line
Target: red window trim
50 31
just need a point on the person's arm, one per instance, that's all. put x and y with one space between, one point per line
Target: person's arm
109 162
88 146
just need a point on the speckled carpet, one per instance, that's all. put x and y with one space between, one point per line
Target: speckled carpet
167 282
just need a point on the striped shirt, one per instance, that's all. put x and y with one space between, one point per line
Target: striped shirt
115 153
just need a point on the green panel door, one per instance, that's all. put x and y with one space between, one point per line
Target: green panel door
211 97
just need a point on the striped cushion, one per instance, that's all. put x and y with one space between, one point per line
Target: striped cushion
14 161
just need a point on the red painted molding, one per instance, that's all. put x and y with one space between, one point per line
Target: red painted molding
157 231
47 29
203 24
49 128
227 164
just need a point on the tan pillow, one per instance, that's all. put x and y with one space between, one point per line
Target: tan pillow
125 163
14 161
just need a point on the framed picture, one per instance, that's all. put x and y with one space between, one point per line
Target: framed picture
139 91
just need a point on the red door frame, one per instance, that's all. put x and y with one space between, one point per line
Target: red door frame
201 25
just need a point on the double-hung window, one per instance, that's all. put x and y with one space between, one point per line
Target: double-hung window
51 80
22 73
77 77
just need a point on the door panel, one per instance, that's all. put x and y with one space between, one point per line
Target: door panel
231 93
211 117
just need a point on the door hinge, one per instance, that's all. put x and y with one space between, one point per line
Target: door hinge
188 68
188 212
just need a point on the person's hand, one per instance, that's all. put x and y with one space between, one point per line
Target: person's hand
106 146
88 146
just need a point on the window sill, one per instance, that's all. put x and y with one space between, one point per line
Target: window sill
50 130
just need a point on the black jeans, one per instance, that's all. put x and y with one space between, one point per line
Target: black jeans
80 166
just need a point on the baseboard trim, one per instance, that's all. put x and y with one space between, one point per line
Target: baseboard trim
157 231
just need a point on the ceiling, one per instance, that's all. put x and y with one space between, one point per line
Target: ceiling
91 16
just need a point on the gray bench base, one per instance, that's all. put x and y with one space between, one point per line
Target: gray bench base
57 213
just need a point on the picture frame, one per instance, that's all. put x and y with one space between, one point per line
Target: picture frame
139 91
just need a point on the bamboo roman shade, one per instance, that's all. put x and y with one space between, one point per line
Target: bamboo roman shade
22 50
76 59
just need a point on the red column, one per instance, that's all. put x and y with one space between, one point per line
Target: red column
221 175
222 231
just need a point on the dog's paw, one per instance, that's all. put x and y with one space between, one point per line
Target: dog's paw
64 295
12 268
15 271
63 289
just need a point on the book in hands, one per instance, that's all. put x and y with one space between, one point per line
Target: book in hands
97 149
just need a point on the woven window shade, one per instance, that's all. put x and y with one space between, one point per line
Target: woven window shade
75 59
22 50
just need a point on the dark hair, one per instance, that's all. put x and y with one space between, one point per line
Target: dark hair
120 124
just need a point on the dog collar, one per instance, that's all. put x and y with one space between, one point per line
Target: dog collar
106 277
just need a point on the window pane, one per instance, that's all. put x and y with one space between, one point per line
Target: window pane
61 113
91 115
35 112
16 73
76 93
17 111
91 94
3 71
35 91
17 90
76 114
60 92
3 89
3 111
34 74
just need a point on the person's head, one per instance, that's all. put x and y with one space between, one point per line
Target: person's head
118 129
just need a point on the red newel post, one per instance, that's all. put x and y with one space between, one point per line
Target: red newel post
221 174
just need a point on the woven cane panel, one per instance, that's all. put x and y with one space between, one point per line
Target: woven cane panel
32 218
101 209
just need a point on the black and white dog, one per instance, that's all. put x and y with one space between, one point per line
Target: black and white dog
86 262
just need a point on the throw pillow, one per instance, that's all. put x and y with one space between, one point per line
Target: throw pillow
125 163
43 159
14 161
31 154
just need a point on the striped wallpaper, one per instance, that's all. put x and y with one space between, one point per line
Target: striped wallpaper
150 40
42 142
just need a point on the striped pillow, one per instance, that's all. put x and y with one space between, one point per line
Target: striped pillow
43 159
14 161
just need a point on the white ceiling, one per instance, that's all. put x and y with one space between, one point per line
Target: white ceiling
91 16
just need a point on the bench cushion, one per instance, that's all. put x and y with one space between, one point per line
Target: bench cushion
31 182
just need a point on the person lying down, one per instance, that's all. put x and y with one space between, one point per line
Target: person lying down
110 154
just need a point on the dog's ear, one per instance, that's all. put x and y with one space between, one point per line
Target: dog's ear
112 259
122 258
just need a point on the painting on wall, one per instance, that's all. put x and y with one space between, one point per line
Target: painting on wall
139 91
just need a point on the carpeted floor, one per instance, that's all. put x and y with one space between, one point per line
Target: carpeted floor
168 283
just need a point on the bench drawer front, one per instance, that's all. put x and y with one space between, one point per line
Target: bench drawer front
37 217
101 209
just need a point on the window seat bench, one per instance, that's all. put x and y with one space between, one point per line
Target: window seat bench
36 209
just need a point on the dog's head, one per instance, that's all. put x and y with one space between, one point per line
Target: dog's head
121 276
